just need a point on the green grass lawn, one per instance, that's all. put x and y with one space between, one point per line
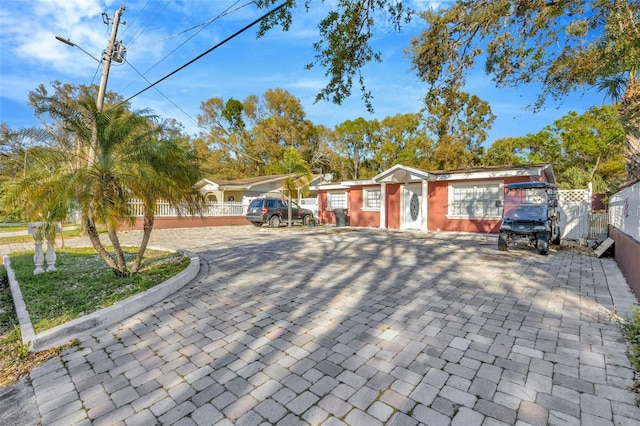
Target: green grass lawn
83 283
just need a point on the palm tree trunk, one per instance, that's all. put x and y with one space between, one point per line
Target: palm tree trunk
630 119
94 237
147 227
117 250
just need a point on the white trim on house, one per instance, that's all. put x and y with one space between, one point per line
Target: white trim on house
365 192
359 182
333 187
330 195
402 174
383 205
539 170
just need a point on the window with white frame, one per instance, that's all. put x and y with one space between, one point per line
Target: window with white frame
336 200
371 199
474 200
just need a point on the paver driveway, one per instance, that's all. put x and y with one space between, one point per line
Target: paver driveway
358 327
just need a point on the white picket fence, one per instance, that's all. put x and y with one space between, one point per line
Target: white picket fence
213 208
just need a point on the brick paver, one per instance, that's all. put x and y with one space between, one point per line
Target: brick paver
343 326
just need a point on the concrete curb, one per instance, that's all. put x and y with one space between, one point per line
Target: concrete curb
105 317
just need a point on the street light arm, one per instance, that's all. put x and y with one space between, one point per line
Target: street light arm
70 43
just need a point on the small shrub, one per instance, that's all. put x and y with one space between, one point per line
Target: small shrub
631 329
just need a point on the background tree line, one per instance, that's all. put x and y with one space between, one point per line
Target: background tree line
245 138
249 138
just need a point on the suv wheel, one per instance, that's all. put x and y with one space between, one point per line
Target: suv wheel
502 242
257 224
274 221
556 239
542 244
306 220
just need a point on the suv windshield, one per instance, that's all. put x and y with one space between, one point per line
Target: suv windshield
525 204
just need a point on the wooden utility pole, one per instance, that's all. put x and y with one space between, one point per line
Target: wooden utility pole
107 59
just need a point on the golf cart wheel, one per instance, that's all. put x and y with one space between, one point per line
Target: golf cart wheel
542 244
502 242
275 221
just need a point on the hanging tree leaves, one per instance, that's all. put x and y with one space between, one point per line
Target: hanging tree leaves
562 45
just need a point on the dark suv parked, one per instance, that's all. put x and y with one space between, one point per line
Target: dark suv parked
274 211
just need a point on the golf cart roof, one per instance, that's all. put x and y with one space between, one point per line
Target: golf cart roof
530 185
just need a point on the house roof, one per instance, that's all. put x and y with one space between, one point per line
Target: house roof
404 174
400 173
534 170
245 183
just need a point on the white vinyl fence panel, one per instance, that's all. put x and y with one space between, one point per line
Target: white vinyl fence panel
311 204
575 210
213 208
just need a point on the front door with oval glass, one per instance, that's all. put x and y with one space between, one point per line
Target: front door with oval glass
412 207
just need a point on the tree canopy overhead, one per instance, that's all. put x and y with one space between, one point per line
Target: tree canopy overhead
558 45
343 48
562 45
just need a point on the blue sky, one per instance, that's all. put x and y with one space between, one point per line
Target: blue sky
30 55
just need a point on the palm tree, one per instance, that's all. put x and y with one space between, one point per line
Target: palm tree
625 91
299 176
130 159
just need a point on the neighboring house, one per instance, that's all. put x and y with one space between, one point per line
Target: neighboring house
246 189
227 202
407 198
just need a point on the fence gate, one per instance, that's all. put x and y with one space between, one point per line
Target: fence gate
575 208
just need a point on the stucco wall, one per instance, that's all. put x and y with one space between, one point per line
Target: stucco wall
393 206
189 222
357 216
438 206
324 216
624 229
626 253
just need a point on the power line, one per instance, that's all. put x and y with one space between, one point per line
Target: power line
203 24
161 94
208 51
225 12
235 149
150 18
